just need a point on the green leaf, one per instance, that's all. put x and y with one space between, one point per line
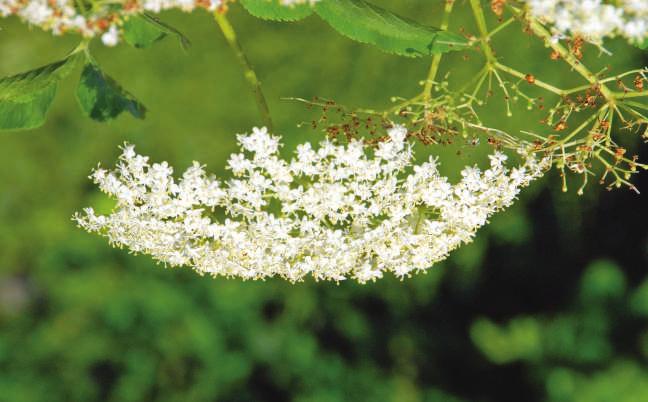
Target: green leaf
25 98
644 44
602 280
367 23
168 29
103 99
141 33
273 10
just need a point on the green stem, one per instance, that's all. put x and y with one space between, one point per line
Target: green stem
248 71
81 47
536 82
539 30
478 12
501 26
419 219
436 59
631 94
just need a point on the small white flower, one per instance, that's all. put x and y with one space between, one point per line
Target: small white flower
111 36
36 12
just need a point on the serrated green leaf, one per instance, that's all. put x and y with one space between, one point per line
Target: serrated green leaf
141 33
168 29
101 98
274 11
25 98
367 23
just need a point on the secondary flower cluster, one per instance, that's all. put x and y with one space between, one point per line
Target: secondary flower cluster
105 19
593 19
332 212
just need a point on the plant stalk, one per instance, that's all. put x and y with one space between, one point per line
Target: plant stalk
436 59
480 19
248 71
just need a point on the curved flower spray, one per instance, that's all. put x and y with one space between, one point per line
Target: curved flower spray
331 212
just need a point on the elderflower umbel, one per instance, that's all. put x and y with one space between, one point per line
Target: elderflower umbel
593 19
331 212
105 19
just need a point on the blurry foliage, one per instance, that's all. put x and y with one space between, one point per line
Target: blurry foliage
549 304
556 346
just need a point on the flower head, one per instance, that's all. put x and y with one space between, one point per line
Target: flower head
331 212
594 20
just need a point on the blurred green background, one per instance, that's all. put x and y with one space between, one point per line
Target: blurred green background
550 303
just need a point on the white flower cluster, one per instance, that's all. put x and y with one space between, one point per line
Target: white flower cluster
594 20
105 19
331 212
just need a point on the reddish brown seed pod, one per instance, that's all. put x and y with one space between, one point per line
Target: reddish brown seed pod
529 78
577 47
497 6
638 83
102 24
560 126
591 100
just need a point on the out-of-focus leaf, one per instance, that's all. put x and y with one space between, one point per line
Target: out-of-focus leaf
644 44
639 299
512 227
520 340
602 280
